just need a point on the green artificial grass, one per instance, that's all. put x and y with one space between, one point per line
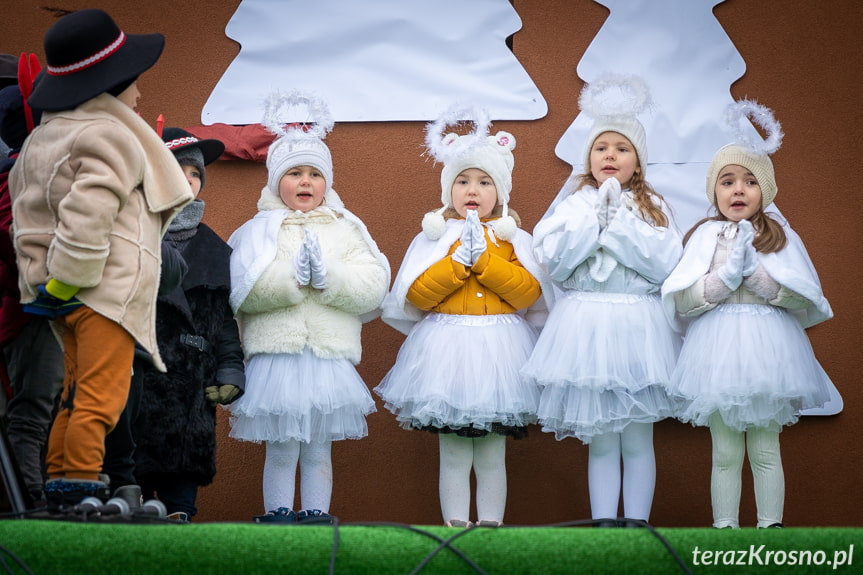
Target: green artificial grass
69 548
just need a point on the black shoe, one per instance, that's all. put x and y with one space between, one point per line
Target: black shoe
315 517
282 515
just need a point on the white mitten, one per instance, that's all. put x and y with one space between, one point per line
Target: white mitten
602 206
316 261
746 234
303 265
613 197
731 273
462 254
478 244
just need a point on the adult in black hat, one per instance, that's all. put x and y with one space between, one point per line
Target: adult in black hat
99 213
200 343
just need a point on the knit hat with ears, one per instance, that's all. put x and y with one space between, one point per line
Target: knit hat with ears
614 101
750 153
297 144
190 151
491 154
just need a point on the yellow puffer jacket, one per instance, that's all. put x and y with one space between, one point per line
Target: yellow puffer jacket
496 284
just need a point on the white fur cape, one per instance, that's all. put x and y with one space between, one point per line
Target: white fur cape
400 314
790 267
256 241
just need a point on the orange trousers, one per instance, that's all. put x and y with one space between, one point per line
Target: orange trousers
98 356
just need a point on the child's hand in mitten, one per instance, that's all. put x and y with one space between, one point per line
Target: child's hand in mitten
462 253
731 273
613 197
316 260
478 244
609 193
746 235
52 305
302 264
221 394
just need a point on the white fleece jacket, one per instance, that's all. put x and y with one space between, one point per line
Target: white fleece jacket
278 316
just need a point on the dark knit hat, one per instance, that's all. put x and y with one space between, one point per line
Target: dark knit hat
87 54
190 151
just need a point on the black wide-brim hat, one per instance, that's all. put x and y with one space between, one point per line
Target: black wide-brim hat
88 54
178 139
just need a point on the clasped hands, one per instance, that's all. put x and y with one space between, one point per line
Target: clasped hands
309 262
473 243
742 258
221 394
607 202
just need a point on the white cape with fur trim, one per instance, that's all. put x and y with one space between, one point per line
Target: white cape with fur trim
400 314
790 267
255 244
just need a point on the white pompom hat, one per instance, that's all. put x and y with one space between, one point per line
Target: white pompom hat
297 144
614 101
491 154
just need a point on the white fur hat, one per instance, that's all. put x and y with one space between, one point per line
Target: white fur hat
614 101
754 155
491 154
297 144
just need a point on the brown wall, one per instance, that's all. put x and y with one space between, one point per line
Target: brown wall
803 60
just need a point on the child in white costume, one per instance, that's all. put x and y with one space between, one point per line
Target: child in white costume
606 353
305 274
744 291
461 297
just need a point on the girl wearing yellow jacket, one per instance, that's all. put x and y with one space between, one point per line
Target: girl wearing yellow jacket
464 296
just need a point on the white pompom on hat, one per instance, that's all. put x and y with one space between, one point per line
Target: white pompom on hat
614 101
298 144
490 153
754 155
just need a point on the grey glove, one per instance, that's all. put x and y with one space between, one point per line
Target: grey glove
221 394
463 254
302 264
731 273
316 260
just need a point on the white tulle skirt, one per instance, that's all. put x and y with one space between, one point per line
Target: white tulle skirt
459 371
603 361
752 363
301 397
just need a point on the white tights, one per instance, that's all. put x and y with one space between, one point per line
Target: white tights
635 445
487 456
280 474
768 477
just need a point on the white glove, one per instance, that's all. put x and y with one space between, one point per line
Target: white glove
613 197
731 273
463 254
302 265
608 201
746 234
316 261
478 244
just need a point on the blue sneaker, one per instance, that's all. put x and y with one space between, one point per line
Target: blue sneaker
59 492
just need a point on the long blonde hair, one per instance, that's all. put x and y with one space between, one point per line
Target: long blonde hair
649 201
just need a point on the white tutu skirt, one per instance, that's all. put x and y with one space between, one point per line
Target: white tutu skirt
603 361
751 363
301 397
462 371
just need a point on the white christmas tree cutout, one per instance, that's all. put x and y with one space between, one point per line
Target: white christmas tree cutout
375 60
